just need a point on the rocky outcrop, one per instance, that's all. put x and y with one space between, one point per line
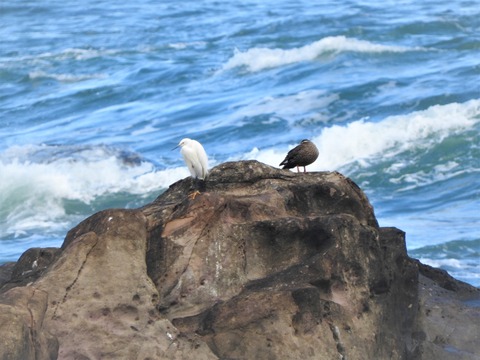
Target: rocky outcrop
264 264
448 322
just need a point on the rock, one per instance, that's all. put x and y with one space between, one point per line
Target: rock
449 317
6 271
264 264
30 266
22 313
103 302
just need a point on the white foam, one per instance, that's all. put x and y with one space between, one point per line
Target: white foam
438 173
257 59
362 141
32 194
42 59
79 53
64 77
184 45
86 180
439 263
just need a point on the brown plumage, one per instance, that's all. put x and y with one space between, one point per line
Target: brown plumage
301 155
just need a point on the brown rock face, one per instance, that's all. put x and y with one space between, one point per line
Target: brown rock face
264 264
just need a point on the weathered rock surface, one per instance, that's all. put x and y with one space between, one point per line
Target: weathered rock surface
265 264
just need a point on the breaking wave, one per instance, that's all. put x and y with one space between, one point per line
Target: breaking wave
257 59
43 187
361 141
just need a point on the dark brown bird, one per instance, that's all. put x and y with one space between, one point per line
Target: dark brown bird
301 155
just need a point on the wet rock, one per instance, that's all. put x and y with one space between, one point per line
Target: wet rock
264 264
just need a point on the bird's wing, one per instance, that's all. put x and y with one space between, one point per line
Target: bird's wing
190 159
291 155
202 159
196 160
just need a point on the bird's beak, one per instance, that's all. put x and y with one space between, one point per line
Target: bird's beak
176 147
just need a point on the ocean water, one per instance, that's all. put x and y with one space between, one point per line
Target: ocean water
95 94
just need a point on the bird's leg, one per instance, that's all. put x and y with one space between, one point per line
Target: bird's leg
195 191
304 169
298 169
193 194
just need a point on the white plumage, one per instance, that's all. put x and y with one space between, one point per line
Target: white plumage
195 157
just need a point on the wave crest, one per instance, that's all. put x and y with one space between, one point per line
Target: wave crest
257 59
43 187
361 140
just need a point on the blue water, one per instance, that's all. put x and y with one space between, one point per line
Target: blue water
95 94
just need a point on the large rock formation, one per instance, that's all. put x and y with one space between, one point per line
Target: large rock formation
264 264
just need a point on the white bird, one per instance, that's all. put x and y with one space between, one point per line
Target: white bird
195 157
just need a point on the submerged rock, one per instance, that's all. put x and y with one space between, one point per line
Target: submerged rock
264 264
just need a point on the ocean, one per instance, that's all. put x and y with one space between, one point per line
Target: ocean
95 94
